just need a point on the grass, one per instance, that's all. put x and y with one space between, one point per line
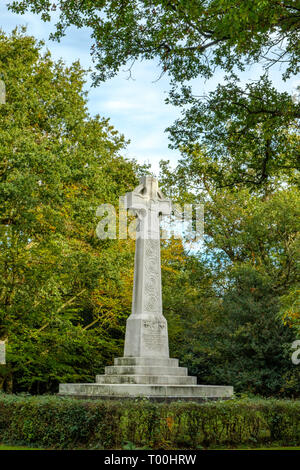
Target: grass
4 447
271 448
7 447
268 448
278 447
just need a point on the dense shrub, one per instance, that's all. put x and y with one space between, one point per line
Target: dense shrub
57 422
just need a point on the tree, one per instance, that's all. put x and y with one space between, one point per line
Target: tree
290 311
249 137
63 292
244 281
182 33
252 348
188 295
190 39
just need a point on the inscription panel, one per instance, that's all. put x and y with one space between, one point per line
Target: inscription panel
153 341
154 334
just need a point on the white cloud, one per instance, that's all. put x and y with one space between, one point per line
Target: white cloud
119 105
150 142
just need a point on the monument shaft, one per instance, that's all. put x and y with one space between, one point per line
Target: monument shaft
146 328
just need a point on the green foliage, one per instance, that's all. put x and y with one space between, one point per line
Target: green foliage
63 292
256 125
226 317
180 33
69 424
255 351
290 309
239 136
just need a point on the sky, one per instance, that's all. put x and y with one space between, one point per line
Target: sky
135 106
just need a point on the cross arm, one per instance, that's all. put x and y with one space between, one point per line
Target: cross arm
135 199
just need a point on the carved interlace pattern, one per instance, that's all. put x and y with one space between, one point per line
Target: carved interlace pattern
151 287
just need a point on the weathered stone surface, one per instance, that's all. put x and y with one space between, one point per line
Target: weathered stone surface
144 390
146 361
146 335
147 379
145 370
2 352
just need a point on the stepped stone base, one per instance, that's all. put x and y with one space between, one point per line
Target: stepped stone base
160 379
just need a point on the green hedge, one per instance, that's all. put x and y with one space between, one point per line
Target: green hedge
57 422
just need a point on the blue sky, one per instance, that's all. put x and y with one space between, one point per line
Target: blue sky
135 107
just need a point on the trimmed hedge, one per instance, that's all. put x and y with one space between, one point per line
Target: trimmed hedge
58 422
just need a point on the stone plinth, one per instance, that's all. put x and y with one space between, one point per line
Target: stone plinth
146 377
146 336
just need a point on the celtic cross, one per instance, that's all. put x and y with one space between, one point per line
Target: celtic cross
146 330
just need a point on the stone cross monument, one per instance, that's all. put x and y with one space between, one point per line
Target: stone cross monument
146 329
146 370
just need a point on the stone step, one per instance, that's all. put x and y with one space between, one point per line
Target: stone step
138 390
145 370
146 361
147 379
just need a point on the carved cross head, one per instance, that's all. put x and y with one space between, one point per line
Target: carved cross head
148 203
148 196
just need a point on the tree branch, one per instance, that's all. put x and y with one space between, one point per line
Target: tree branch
61 308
